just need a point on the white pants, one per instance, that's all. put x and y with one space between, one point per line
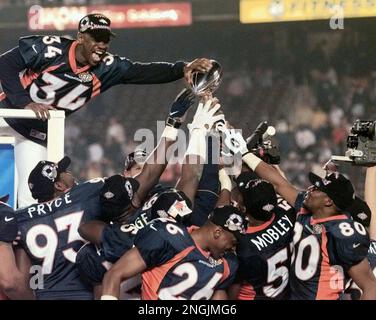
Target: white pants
27 154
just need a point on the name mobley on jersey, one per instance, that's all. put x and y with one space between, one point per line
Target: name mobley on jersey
274 233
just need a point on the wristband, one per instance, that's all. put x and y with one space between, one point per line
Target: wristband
170 133
251 160
225 180
108 297
172 122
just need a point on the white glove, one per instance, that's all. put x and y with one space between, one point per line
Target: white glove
205 118
235 142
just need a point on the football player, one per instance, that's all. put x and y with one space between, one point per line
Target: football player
49 229
181 263
113 240
52 72
13 283
133 163
365 213
264 251
328 244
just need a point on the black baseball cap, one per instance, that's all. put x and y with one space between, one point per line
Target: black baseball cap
259 196
230 219
43 176
97 25
360 211
337 187
172 203
116 195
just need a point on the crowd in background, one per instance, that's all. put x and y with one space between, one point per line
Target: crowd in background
310 88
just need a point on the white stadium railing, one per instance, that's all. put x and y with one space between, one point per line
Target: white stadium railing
55 136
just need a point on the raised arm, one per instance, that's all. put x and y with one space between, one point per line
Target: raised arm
162 72
196 154
370 198
226 188
236 143
157 161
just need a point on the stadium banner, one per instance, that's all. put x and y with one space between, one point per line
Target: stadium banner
263 11
7 172
122 16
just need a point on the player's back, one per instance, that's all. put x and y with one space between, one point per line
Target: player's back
264 256
324 250
49 235
177 268
117 238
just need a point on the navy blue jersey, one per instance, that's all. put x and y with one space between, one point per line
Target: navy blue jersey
49 235
91 264
324 250
176 267
49 74
118 238
8 223
353 292
264 256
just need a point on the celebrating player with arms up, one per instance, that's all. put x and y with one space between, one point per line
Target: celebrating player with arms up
52 72
329 245
49 230
165 250
264 251
117 238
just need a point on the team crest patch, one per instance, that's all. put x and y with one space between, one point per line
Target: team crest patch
362 216
317 228
108 195
215 262
85 77
179 208
50 172
268 207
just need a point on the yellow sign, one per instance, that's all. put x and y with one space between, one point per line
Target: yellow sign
260 11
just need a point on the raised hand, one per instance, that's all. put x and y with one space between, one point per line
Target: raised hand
181 104
206 116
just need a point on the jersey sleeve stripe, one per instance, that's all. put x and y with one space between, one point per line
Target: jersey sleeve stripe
226 270
247 292
28 77
96 86
2 96
328 284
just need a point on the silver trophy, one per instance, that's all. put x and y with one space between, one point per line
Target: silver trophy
206 83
